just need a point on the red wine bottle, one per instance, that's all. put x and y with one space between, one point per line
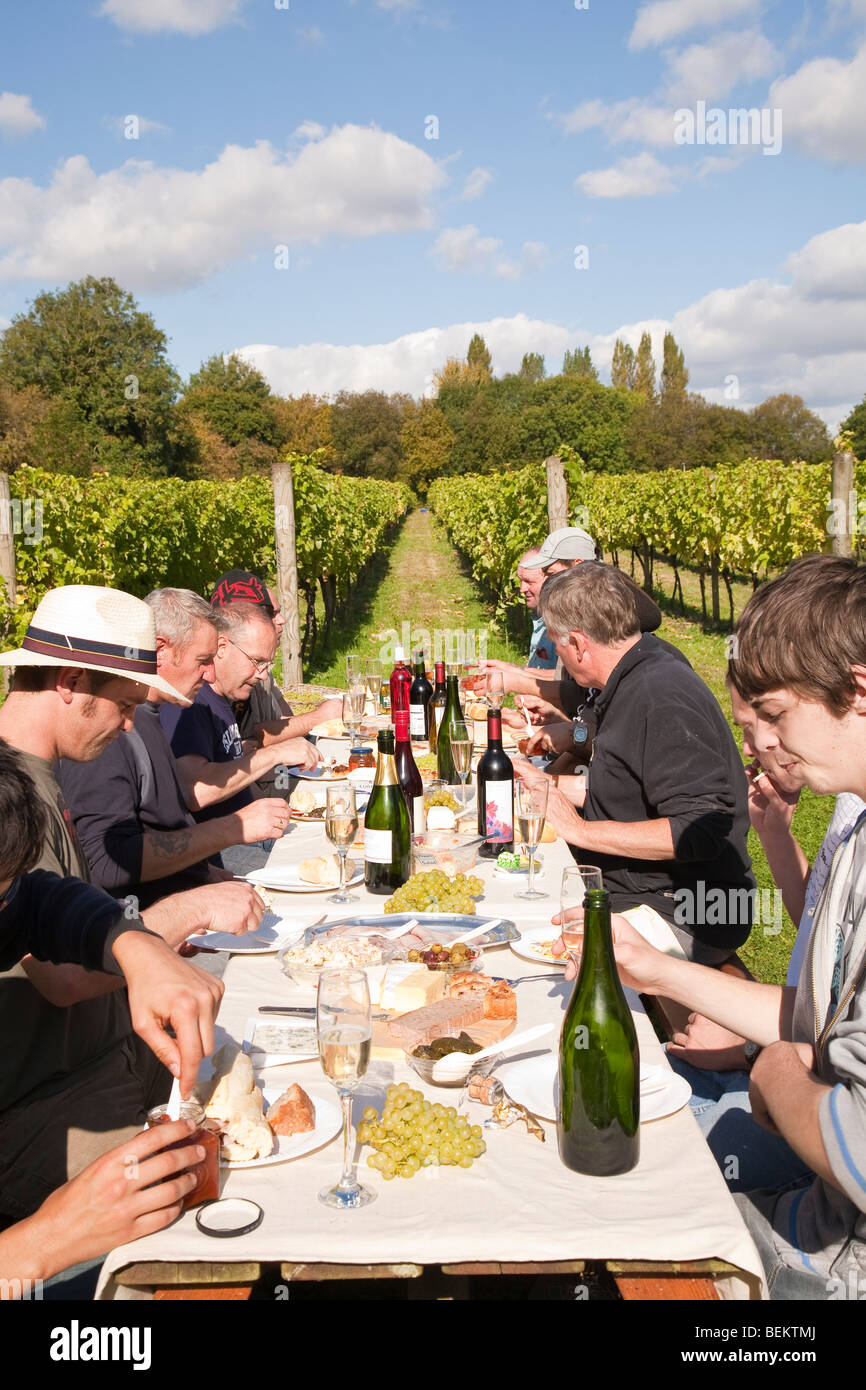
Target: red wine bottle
401 680
420 695
437 705
407 772
495 792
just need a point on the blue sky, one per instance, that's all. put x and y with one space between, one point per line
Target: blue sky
264 125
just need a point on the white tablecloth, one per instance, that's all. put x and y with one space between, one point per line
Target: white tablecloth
517 1203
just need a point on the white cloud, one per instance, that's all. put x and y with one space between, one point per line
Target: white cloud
162 229
638 177
800 337
191 17
663 20
475 184
709 70
17 116
465 249
312 35
634 119
822 107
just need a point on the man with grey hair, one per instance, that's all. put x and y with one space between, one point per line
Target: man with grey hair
215 767
130 811
664 812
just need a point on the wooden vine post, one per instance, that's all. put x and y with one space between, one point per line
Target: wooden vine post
557 493
287 572
7 551
843 496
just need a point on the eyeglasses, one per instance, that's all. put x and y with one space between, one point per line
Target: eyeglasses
256 661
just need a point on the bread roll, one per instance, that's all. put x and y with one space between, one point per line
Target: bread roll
303 799
325 870
237 1106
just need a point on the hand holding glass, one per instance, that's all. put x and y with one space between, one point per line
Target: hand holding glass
343 1027
576 883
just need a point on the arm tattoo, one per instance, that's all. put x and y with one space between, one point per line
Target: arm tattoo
170 842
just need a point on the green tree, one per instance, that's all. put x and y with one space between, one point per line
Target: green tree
645 369
234 399
581 412
784 428
674 377
855 424
622 366
427 440
303 424
578 362
365 430
478 359
532 366
92 349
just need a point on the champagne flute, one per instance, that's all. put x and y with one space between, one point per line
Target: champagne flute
461 753
341 827
353 710
531 814
353 669
373 676
343 1026
576 883
495 689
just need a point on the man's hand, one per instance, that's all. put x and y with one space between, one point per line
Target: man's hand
167 992
233 907
539 711
295 752
707 1045
131 1191
264 819
561 812
329 709
770 809
552 738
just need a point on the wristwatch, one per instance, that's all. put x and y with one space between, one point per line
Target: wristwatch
752 1051
580 734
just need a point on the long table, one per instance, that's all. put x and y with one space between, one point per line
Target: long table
517 1209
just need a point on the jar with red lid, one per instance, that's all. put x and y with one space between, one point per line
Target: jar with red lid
207 1189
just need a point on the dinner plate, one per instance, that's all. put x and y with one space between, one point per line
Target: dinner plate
535 1084
272 1042
329 1122
443 925
529 945
270 935
286 879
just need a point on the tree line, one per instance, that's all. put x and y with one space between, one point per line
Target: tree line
86 385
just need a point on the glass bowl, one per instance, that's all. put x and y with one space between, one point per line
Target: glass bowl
445 849
423 1066
346 953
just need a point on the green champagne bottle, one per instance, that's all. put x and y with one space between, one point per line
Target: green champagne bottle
451 715
387 833
599 1065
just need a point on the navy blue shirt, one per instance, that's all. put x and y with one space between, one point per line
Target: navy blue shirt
208 728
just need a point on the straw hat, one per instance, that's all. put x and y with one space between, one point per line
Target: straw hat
97 629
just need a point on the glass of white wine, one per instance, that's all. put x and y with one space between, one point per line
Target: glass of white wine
495 689
341 827
354 666
373 676
461 753
576 883
531 815
353 710
343 1027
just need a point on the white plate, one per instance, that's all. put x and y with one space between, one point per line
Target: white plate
320 773
329 1122
286 880
527 946
272 1041
535 1084
271 935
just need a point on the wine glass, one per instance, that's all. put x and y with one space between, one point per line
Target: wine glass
341 827
353 669
373 676
576 883
461 753
353 710
531 813
495 689
343 1027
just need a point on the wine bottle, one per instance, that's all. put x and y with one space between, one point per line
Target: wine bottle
387 835
495 792
420 695
451 715
401 679
599 1065
437 705
407 772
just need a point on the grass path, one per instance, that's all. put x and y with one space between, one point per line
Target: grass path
420 583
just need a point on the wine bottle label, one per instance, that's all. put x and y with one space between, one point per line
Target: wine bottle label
418 814
377 846
438 711
499 810
417 722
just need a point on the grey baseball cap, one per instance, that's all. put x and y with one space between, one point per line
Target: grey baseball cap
568 543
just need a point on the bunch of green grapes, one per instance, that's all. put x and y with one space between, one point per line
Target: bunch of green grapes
442 797
411 1134
436 892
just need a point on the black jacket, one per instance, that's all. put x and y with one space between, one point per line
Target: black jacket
664 750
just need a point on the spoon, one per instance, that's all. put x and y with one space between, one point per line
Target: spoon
477 931
456 1062
393 932
173 1111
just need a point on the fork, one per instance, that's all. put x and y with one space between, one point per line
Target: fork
522 979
